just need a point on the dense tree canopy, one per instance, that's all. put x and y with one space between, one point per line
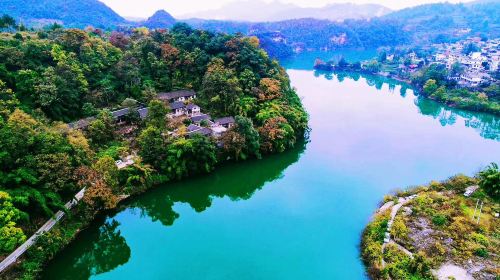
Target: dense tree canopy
56 76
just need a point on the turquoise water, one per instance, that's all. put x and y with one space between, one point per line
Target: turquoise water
298 215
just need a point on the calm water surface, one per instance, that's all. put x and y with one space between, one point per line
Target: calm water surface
297 215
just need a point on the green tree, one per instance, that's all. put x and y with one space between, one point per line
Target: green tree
152 146
107 168
490 181
221 89
8 100
10 235
101 130
157 114
430 87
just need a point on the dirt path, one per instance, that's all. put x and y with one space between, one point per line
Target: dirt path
394 211
451 271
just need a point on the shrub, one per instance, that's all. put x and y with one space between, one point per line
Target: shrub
439 220
481 252
490 181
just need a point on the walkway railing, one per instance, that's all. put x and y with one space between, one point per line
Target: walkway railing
46 227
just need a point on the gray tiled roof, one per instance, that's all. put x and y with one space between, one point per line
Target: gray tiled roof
177 105
83 123
176 94
200 118
225 120
120 113
143 112
191 106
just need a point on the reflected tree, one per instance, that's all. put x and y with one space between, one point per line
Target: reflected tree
103 250
487 125
201 191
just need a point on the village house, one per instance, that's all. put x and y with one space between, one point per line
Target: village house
193 129
226 122
193 110
177 96
478 67
120 117
200 118
177 108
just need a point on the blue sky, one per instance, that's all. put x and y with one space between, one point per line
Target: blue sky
145 8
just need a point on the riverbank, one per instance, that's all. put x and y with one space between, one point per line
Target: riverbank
440 233
51 243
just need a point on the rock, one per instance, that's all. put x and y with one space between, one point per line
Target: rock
407 211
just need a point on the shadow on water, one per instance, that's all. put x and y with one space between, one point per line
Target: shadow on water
487 125
102 248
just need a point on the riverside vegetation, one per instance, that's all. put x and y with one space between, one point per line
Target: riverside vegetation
431 81
439 227
53 76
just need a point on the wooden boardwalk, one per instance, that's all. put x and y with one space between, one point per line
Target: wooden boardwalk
46 227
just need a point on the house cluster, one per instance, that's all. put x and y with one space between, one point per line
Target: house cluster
182 107
478 66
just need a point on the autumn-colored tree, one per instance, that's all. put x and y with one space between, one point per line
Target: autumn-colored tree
108 170
233 143
54 171
119 40
269 89
276 135
97 193
170 54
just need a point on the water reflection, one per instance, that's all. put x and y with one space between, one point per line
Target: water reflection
101 248
235 181
487 125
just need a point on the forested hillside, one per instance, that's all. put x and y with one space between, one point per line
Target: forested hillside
445 21
309 30
70 13
53 77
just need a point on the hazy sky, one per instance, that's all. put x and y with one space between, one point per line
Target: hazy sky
145 8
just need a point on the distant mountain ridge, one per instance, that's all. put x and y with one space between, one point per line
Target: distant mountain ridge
277 11
71 13
160 19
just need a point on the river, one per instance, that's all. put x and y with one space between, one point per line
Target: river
297 215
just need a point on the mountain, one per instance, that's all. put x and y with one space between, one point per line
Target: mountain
160 19
277 11
70 13
446 21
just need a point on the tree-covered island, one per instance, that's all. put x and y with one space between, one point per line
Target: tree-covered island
115 113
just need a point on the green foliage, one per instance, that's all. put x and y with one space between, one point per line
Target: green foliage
455 237
101 130
58 76
186 157
10 235
152 146
481 252
490 181
439 220
157 112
